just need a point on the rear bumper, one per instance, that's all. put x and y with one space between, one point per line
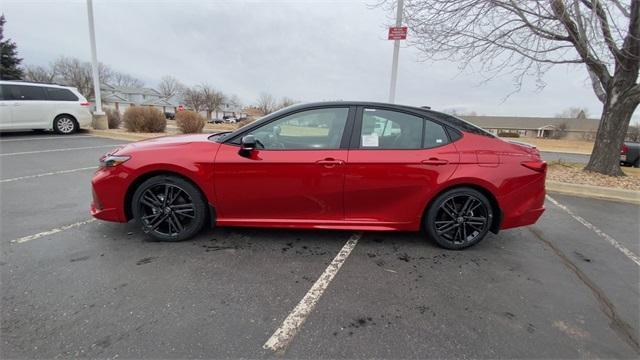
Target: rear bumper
523 206
84 119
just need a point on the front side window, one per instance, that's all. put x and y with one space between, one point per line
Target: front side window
58 94
312 129
384 129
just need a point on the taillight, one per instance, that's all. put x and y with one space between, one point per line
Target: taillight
536 165
624 149
86 103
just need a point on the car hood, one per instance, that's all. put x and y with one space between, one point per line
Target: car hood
163 142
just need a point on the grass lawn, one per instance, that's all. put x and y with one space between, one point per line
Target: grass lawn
558 145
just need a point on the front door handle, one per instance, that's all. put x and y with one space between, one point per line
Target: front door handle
435 161
329 162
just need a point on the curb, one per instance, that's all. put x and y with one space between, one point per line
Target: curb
591 191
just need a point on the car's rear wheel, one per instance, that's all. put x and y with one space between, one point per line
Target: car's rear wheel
169 208
65 124
459 218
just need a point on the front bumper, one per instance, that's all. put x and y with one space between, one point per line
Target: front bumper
109 191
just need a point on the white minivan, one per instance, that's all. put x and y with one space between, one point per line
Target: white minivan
35 106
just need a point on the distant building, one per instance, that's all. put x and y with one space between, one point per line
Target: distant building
120 98
579 128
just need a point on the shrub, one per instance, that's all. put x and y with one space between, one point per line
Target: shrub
190 122
144 119
113 118
508 134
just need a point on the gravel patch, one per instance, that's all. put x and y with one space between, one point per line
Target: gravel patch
573 173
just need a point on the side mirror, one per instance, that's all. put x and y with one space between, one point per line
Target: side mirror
248 143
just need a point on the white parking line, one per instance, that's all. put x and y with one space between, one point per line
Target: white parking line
45 138
289 328
50 232
47 174
63 149
628 253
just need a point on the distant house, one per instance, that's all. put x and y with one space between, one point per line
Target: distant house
580 127
120 98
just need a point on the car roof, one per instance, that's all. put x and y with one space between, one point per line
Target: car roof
450 120
357 103
35 83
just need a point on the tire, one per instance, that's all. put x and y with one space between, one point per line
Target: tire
455 229
169 208
65 125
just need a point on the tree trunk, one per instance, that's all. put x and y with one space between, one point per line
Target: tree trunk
614 122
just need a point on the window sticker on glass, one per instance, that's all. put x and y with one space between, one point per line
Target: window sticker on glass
438 141
370 140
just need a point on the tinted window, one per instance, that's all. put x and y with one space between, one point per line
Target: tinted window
10 92
312 129
24 92
384 129
461 124
434 135
57 94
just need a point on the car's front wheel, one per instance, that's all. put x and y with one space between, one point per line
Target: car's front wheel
65 124
169 208
459 218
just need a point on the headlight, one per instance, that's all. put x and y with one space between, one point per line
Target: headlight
109 160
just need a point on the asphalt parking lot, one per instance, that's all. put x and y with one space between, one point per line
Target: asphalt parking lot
566 287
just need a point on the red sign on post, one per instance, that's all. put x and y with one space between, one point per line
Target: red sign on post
398 33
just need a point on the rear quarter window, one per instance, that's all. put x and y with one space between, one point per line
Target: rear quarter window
58 94
434 135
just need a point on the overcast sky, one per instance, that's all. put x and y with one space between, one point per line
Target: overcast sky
309 51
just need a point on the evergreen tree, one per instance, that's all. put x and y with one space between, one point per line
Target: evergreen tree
9 60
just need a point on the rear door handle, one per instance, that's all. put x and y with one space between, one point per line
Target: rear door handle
435 161
329 162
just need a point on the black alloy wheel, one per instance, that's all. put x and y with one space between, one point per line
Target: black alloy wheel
459 218
169 208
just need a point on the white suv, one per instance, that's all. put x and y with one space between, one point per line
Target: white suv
35 106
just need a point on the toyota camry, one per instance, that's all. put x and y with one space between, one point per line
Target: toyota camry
330 165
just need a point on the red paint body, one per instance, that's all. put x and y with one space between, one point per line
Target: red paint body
358 190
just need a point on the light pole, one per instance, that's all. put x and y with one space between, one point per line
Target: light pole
94 60
396 51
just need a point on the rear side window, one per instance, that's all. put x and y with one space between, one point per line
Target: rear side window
57 94
384 129
434 135
24 92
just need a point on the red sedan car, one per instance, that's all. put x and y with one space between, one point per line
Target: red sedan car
331 165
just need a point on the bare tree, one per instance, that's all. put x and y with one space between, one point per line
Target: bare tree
125 80
40 74
633 134
76 73
285 102
170 86
213 99
573 112
266 103
527 38
194 99
234 102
